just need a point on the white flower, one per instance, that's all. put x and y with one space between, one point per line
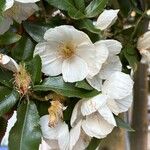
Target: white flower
116 93
143 45
70 52
106 19
18 10
93 125
111 65
8 63
56 137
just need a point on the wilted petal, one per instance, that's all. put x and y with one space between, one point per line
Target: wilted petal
118 86
5 24
91 105
114 47
76 114
95 82
96 126
143 42
112 65
8 63
106 113
21 11
74 69
106 19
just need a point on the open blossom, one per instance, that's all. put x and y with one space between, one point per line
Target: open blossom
94 116
18 10
70 52
111 65
106 19
55 137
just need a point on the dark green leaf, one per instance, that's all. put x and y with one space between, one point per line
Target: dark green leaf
36 30
95 8
26 133
3 127
75 13
83 85
132 57
80 4
34 68
2 5
9 38
57 85
93 144
8 101
121 124
88 25
6 77
23 50
4 91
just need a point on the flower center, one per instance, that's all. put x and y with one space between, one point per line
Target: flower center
67 50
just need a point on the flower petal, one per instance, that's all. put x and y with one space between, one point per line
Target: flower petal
22 11
143 42
112 65
51 61
118 86
76 114
94 55
75 135
96 126
63 136
114 47
5 24
107 115
8 63
91 105
8 4
74 69
106 19
66 34
95 82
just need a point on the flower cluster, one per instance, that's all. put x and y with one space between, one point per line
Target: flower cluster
70 53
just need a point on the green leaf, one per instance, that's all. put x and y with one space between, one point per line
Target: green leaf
93 144
8 101
95 8
132 57
34 68
80 4
75 13
120 123
3 127
36 30
2 5
6 77
4 91
57 85
23 50
9 38
88 25
83 85
26 133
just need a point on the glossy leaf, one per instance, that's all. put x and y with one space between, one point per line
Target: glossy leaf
83 85
23 50
80 4
3 127
93 144
121 124
34 68
26 133
8 101
95 8
6 77
9 38
57 85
